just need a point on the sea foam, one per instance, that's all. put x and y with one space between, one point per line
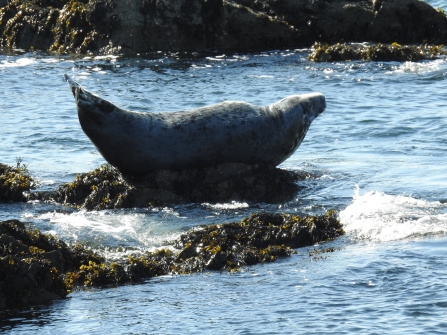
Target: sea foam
378 216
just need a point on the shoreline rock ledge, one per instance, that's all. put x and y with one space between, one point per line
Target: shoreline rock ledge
144 26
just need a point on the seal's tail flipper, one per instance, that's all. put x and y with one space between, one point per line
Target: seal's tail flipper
73 85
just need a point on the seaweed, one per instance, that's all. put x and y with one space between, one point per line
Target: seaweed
107 188
56 25
14 181
37 268
374 52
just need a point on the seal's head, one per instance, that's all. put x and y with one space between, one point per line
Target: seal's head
312 104
296 113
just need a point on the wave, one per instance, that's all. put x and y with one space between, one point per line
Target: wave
109 229
428 67
17 63
378 216
223 206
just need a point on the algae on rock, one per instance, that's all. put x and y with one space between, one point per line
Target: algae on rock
56 25
36 268
107 188
375 52
14 181
148 26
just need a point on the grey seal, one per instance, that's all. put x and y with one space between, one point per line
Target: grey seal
228 132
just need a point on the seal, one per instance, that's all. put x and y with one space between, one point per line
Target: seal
228 132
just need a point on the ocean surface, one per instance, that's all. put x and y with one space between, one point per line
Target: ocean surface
378 153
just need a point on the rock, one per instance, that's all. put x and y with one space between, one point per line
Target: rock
27 273
14 181
37 268
106 187
374 52
261 238
142 26
384 21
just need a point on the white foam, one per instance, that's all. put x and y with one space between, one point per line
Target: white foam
48 182
382 217
18 63
232 205
418 67
110 228
90 221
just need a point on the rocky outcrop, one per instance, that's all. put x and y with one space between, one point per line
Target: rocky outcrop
375 52
140 26
31 265
36 268
106 187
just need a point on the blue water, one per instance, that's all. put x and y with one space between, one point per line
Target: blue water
379 153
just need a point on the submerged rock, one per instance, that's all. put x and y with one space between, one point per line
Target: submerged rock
36 268
376 52
14 181
106 187
141 26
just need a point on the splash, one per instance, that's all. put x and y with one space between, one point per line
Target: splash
223 206
378 216
111 229
419 67
20 62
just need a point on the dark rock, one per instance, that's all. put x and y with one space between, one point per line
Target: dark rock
36 268
217 261
140 26
106 187
260 238
28 274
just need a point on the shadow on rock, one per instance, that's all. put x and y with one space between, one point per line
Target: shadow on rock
106 187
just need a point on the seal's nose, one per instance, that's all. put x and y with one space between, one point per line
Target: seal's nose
321 104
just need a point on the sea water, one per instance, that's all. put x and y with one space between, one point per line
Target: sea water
378 154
